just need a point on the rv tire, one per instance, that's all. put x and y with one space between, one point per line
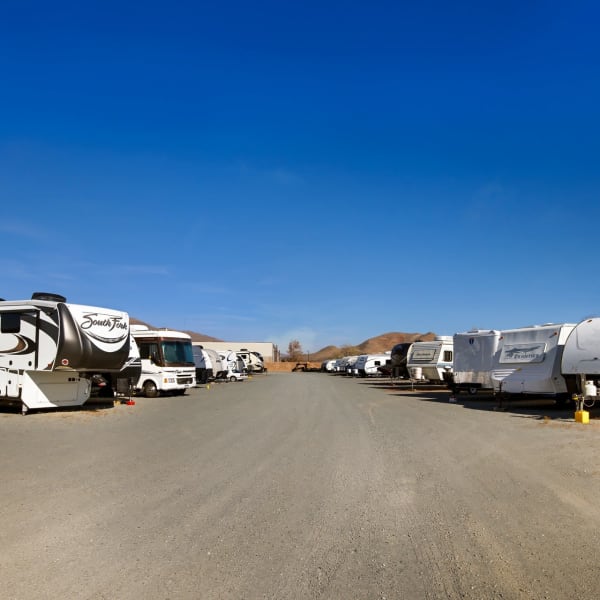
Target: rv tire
150 389
232 379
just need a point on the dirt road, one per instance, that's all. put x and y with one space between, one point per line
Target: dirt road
300 486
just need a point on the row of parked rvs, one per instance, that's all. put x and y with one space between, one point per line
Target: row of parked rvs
54 353
555 360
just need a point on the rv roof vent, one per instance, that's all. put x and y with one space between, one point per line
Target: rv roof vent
443 338
48 296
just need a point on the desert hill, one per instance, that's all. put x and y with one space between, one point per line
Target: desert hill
196 337
381 343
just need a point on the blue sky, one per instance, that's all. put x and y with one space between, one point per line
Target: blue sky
320 171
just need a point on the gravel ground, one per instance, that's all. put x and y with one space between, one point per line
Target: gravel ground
301 485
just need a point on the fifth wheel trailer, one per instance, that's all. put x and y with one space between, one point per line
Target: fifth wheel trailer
48 347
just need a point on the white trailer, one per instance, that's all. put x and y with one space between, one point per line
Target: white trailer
234 366
367 364
474 355
528 361
580 363
431 360
253 361
208 364
167 361
49 348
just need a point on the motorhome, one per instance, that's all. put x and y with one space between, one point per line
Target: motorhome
167 361
398 357
529 360
367 364
49 348
432 360
474 355
580 364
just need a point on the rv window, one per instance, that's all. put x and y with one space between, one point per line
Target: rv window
10 323
447 355
377 363
147 350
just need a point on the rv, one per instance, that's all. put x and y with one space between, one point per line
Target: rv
123 382
167 361
367 364
580 365
253 361
328 366
49 348
431 360
398 357
208 364
529 359
474 355
235 369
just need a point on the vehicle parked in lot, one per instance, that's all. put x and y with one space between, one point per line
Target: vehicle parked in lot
167 361
431 360
50 348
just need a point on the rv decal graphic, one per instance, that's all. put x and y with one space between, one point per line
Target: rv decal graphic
23 346
519 353
105 328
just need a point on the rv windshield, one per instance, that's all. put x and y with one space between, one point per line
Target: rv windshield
178 352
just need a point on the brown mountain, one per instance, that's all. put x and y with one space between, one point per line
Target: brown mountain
381 343
196 337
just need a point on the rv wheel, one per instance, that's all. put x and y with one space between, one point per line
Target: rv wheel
232 378
150 389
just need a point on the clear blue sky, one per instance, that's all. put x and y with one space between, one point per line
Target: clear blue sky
325 171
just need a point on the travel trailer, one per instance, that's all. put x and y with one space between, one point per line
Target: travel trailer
474 355
580 365
208 364
431 360
253 361
233 365
367 364
328 366
398 357
49 348
529 360
167 361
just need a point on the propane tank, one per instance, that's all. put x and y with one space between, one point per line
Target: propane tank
590 389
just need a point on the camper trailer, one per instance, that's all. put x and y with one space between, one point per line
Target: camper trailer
580 365
49 348
367 364
529 360
431 360
207 362
167 361
398 357
253 361
233 365
474 355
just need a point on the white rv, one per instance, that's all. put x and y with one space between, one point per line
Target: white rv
234 366
121 383
253 361
581 357
529 359
367 364
474 355
208 364
167 361
431 360
47 345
